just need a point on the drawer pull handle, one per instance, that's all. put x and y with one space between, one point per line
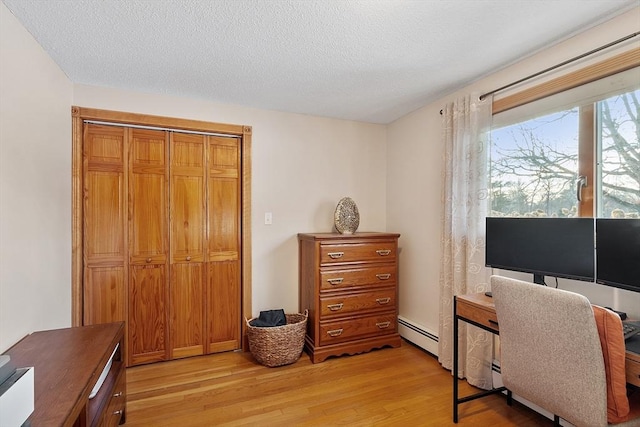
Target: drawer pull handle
118 394
188 258
335 332
383 252
385 276
383 325
148 260
335 255
118 412
335 307
383 301
335 281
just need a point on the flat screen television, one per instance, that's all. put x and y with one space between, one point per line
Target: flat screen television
558 247
618 253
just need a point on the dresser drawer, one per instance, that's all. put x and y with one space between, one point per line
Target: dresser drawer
362 327
331 280
384 299
382 251
116 405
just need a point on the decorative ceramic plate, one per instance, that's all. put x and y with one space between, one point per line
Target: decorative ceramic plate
346 217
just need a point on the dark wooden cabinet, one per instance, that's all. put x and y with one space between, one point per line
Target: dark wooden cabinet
349 285
67 364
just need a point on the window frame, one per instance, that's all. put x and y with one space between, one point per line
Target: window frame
588 141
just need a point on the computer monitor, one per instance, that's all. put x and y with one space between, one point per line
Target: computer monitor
559 247
618 253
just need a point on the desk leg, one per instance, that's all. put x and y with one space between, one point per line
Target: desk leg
455 362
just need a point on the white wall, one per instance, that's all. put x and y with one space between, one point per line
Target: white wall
414 182
35 186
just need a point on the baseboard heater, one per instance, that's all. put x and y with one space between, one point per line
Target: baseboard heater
418 335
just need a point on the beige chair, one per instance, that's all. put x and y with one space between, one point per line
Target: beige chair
550 351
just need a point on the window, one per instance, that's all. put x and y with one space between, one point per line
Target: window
534 165
619 156
575 153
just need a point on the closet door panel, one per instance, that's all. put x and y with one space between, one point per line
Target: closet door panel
104 194
187 198
148 245
104 295
149 235
188 237
105 214
223 306
224 195
187 219
223 279
149 225
187 313
224 219
224 199
104 224
147 314
104 146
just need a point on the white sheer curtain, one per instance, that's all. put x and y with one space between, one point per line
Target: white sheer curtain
467 123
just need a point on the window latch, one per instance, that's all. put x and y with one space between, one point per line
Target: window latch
581 182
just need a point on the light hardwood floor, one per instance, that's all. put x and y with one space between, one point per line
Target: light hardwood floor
404 386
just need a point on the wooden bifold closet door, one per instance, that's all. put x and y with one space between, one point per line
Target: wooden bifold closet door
162 239
148 239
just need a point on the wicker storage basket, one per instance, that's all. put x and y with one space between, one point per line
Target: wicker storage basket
278 345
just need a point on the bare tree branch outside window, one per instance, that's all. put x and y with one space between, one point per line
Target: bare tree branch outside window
534 164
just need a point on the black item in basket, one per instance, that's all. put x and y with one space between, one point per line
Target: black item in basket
269 319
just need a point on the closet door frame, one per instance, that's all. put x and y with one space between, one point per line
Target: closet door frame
81 114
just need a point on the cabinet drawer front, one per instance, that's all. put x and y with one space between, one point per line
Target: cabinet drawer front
117 402
384 299
633 371
383 251
340 279
483 317
363 327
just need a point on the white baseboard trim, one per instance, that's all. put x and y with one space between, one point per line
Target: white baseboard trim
418 335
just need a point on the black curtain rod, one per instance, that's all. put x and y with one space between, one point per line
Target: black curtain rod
568 61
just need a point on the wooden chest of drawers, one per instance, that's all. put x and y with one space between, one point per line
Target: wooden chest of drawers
349 285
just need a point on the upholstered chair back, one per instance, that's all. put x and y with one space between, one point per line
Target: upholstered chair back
550 352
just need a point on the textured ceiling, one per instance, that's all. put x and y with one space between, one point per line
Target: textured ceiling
365 60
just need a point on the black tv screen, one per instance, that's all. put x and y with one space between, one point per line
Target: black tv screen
559 247
618 249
